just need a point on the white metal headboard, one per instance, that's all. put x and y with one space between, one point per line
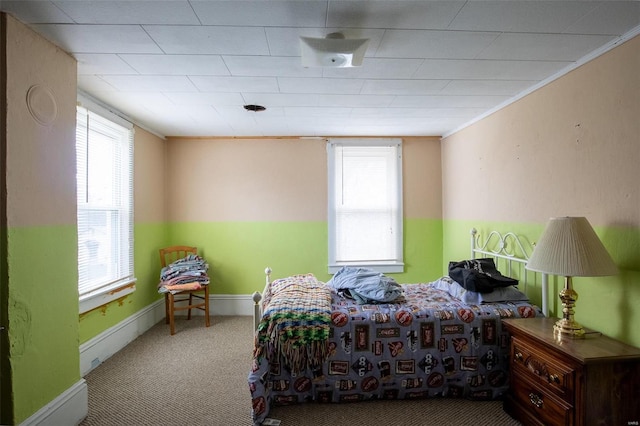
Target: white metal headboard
506 246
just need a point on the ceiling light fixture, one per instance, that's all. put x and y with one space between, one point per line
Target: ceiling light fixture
333 51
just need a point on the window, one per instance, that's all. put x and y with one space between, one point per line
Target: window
104 157
365 204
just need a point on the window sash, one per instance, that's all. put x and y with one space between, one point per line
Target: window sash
104 151
365 204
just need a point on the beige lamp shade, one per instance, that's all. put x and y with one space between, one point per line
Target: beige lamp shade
569 247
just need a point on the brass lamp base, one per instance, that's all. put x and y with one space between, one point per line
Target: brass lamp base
567 326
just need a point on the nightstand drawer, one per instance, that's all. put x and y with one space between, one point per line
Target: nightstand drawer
544 369
540 404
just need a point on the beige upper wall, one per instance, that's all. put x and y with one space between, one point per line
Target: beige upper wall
212 180
570 148
422 178
218 180
149 177
48 149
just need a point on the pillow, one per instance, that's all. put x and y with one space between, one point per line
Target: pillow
500 294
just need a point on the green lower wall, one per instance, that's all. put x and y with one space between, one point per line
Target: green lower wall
610 305
43 315
238 252
148 238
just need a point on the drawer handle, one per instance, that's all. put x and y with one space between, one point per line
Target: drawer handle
518 356
535 400
553 378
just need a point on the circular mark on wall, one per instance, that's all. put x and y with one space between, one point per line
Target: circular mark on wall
42 105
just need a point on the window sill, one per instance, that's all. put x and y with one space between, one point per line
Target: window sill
389 268
106 295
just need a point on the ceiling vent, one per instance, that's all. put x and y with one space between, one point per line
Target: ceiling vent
254 108
333 51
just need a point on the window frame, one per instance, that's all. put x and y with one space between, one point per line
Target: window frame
388 265
123 283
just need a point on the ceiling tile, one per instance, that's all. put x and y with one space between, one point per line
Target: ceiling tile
36 12
129 12
355 100
101 64
269 66
93 83
543 47
521 16
480 69
249 129
99 38
199 129
198 99
177 64
261 13
316 111
320 85
159 83
270 100
610 17
377 68
433 44
449 101
212 40
239 113
467 113
403 87
486 87
142 102
203 115
236 84
388 14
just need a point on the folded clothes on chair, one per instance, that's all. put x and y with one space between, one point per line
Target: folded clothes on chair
176 288
188 273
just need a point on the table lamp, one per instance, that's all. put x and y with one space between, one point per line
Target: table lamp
569 247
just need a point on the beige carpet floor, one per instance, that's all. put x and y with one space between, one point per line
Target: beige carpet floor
199 377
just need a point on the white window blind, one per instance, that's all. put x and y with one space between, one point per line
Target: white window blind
104 153
365 204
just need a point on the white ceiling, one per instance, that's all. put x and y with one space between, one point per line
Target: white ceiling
186 68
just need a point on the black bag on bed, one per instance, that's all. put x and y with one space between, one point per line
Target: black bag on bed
479 275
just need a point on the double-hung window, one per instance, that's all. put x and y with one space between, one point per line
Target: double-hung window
365 204
104 161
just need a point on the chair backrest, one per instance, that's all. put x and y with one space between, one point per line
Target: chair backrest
169 255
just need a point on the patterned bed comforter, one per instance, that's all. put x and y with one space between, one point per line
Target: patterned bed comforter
426 344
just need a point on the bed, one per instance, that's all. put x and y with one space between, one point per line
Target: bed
436 340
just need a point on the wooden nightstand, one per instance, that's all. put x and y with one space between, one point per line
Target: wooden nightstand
590 381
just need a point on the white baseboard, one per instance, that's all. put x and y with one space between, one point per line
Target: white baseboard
72 406
69 408
95 351
225 304
231 304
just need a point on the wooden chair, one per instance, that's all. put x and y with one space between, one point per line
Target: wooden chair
173 302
